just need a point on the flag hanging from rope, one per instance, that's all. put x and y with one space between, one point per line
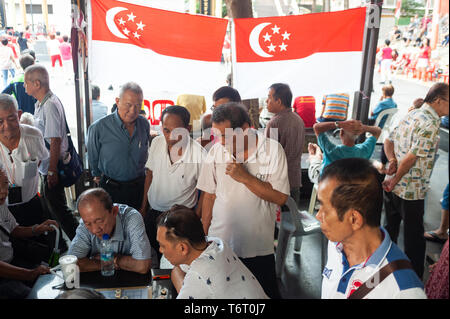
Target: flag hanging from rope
161 50
315 54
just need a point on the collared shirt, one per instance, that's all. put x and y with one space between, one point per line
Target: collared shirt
416 133
50 119
174 183
219 274
339 280
8 222
129 237
291 135
333 152
99 110
239 217
335 106
111 150
387 103
21 166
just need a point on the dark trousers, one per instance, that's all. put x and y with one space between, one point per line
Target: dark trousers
411 212
55 200
128 193
151 228
263 268
32 213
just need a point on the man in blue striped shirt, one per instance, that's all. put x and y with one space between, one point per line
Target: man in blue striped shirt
117 148
123 224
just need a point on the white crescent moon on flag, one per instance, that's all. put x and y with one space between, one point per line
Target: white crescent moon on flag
110 15
254 40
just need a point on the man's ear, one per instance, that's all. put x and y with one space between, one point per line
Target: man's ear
184 248
356 219
117 101
19 113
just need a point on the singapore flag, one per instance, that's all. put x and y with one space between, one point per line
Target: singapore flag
163 51
315 54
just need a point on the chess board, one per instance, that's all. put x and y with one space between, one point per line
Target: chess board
127 293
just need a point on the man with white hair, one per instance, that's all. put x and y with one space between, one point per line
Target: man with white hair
51 121
118 146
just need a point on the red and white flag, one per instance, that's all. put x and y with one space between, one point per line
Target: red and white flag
163 51
316 54
398 8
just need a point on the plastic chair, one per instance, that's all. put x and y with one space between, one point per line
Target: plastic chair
155 112
313 199
390 114
294 224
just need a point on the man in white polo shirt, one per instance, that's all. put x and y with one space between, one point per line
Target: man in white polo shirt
363 262
172 170
245 179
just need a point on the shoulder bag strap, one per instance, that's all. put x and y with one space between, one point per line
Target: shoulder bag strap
370 284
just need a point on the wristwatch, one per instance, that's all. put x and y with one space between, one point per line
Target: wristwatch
51 173
336 124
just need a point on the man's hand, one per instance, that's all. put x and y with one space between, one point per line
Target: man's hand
352 126
36 272
237 172
45 226
389 184
392 167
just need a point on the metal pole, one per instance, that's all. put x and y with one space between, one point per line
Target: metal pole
361 103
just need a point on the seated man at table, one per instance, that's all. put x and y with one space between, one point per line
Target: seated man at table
122 223
16 275
205 267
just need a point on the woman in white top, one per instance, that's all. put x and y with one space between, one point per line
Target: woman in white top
205 267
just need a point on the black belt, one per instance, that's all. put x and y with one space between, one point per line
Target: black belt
112 182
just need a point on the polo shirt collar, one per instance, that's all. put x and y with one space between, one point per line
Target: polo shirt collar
46 97
117 119
378 255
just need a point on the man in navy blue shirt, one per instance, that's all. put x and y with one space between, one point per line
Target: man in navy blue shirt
117 148
16 87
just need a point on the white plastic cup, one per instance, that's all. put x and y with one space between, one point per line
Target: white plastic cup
69 269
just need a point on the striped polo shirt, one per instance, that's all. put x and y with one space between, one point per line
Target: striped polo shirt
335 106
129 237
339 280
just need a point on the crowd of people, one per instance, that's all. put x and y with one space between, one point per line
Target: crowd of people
407 51
208 206
13 45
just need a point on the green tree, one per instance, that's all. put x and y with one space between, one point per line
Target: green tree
411 7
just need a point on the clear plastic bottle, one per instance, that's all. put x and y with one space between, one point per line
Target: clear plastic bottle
107 257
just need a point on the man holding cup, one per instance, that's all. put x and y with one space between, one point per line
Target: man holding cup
16 280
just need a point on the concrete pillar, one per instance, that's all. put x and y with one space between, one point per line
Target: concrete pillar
24 13
218 9
12 14
192 6
45 14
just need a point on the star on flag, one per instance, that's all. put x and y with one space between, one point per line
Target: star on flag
131 28
275 41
